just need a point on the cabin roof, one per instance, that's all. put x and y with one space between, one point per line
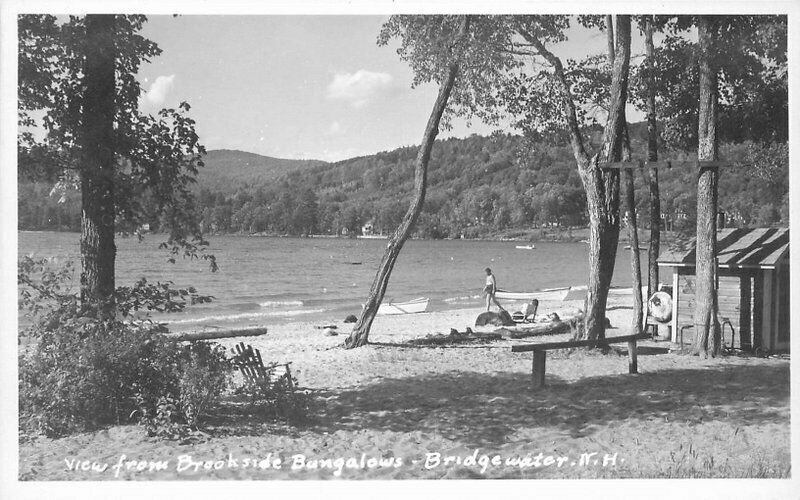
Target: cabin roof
754 248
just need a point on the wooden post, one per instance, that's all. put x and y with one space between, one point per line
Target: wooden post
676 294
767 320
538 368
632 366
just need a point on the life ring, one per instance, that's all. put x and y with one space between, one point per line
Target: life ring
660 307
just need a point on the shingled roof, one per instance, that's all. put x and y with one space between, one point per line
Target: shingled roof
760 247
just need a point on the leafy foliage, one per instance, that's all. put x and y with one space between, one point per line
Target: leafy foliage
157 157
85 371
753 81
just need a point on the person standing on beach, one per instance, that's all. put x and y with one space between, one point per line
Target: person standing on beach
490 289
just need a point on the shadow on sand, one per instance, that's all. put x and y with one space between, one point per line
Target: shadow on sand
483 410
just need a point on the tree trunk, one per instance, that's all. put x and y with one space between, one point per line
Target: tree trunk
98 251
633 236
707 332
602 191
630 201
360 334
652 156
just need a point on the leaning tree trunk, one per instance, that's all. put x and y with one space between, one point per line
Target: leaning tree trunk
98 251
360 334
652 156
706 324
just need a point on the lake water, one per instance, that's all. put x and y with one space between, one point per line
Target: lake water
263 280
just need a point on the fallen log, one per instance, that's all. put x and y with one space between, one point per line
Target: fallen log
216 334
455 337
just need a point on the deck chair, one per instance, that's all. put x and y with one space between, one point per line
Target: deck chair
530 310
262 378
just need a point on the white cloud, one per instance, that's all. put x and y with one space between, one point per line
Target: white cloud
159 90
358 88
335 128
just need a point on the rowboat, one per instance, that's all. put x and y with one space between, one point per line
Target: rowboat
412 306
505 294
579 292
525 247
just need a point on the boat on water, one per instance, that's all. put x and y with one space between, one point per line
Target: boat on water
409 307
579 292
526 247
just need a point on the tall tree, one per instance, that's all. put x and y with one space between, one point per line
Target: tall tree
601 184
707 330
630 203
652 156
130 168
449 40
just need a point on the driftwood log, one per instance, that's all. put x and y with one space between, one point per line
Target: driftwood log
217 334
455 337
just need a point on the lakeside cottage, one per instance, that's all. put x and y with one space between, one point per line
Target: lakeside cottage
753 288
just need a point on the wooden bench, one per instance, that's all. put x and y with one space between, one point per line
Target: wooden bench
262 377
540 350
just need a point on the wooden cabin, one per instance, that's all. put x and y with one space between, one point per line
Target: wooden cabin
753 288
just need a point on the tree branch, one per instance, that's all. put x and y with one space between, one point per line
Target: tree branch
571 115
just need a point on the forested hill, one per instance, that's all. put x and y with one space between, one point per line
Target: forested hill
227 170
477 187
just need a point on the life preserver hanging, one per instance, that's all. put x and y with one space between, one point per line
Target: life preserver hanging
660 307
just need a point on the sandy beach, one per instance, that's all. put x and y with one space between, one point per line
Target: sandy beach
396 411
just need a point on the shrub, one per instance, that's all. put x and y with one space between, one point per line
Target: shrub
88 369
204 376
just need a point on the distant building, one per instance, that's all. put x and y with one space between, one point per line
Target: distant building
752 293
368 229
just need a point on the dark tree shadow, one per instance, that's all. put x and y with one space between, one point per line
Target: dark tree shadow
482 410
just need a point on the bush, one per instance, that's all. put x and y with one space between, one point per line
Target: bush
204 376
87 369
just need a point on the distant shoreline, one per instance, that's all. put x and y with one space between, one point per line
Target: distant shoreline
571 235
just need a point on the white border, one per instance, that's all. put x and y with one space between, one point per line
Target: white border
10 488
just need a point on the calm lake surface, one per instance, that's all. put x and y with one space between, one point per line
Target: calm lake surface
264 280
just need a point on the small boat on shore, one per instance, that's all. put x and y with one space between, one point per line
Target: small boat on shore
409 307
505 294
526 247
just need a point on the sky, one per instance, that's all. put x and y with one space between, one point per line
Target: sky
299 86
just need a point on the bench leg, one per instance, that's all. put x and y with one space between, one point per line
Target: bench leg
538 369
632 365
